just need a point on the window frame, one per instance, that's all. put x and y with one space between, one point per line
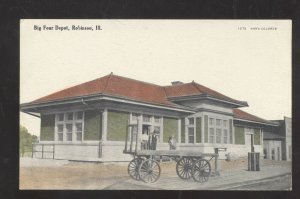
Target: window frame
218 124
66 122
190 125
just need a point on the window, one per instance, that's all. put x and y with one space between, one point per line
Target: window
218 135
60 130
156 119
61 117
218 131
70 116
225 125
225 136
191 134
211 135
218 122
69 126
78 131
79 115
146 118
191 121
134 116
211 121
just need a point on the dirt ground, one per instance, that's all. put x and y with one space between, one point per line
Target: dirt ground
92 176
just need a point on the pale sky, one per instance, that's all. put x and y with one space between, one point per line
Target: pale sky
249 65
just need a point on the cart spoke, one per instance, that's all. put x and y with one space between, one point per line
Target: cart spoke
201 170
183 167
133 167
149 171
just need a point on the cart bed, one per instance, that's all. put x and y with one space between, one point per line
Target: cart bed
179 153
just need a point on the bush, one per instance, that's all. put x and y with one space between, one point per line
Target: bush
26 140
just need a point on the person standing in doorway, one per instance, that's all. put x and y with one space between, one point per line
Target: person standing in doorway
145 138
154 140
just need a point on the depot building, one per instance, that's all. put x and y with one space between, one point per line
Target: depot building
90 121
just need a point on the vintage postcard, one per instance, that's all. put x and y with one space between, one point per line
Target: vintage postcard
155 105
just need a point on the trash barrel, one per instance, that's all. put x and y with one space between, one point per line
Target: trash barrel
253 161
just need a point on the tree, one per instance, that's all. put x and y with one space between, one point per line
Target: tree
26 140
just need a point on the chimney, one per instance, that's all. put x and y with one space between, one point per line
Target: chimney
176 83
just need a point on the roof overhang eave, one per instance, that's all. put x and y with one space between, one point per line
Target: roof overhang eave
84 99
251 121
208 97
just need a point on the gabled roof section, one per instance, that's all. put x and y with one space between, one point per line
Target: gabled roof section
136 90
181 90
113 85
130 89
239 114
88 88
194 89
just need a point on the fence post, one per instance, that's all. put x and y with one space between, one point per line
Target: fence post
100 149
53 150
32 150
42 151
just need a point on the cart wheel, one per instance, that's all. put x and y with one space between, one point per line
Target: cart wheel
133 168
149 171
184 168
201 170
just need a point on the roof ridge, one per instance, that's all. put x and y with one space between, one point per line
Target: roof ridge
136 80
195 85
166 96
107 81
177 85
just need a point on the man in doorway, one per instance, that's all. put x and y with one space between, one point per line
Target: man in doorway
154 138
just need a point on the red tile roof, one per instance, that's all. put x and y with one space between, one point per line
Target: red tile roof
237 113
133 89
88 88
194 89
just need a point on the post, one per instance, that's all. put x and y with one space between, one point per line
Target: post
217 162
252 143
126 138
100 149
131 138
137 135
32 150
104 125
53 150
42 151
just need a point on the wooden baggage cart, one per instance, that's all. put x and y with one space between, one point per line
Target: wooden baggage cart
145 167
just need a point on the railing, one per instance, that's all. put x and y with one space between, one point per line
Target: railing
45 150
34 145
